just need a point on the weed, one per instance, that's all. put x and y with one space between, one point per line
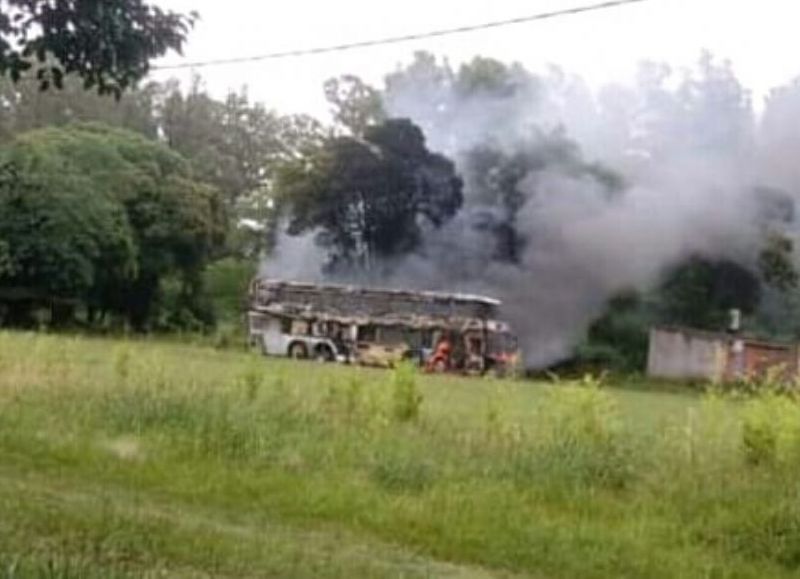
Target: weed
771 430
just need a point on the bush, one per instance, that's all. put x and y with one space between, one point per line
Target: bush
771 430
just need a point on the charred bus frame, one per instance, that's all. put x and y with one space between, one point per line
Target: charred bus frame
377 326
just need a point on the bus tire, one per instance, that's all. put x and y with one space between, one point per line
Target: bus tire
298 351
323 353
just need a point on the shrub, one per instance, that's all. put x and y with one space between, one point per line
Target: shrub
771 430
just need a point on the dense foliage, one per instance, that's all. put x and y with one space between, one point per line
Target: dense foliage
107 44
367 197
97 217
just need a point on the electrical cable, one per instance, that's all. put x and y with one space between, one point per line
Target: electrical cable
301 52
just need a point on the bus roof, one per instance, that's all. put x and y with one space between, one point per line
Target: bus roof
413 294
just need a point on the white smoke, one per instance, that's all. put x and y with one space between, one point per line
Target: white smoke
295 257
686 145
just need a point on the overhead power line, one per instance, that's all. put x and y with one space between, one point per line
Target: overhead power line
398 39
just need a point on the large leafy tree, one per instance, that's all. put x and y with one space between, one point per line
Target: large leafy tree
59 244
367 198
233 143
699 292
103 216
108 43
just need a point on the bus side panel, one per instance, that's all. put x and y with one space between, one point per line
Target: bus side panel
273 340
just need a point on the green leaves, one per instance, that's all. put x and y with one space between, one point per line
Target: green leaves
107 44
100 215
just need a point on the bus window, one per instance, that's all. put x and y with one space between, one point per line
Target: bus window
299 328
502 343
258 322
367 333
413 338
391 335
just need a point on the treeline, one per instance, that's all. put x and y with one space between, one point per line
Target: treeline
135 213
154 211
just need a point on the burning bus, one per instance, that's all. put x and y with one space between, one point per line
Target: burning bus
379 327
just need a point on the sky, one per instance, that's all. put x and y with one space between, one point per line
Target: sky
758 36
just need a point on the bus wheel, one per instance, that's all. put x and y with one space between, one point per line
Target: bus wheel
323 354
298 351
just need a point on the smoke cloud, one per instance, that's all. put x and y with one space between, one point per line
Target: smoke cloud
688 147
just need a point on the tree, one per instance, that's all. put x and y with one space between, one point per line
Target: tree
24 107
618 339
366 198
103 216
232 143
355 104
59 243
776 262
699 292
237 146
107 44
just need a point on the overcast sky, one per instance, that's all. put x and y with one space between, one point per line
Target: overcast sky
760 37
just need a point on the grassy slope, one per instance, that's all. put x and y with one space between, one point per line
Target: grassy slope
135 459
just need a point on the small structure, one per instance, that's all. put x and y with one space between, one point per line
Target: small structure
682 353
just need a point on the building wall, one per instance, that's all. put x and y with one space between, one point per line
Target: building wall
691 354
757 359
681 354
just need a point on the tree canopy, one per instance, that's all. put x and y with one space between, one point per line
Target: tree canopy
366 198
107 44
97 216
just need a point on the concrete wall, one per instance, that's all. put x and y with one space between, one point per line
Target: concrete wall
681 354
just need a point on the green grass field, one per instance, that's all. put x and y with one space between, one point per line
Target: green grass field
131 459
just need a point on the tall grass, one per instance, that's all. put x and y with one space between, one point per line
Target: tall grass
148 458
